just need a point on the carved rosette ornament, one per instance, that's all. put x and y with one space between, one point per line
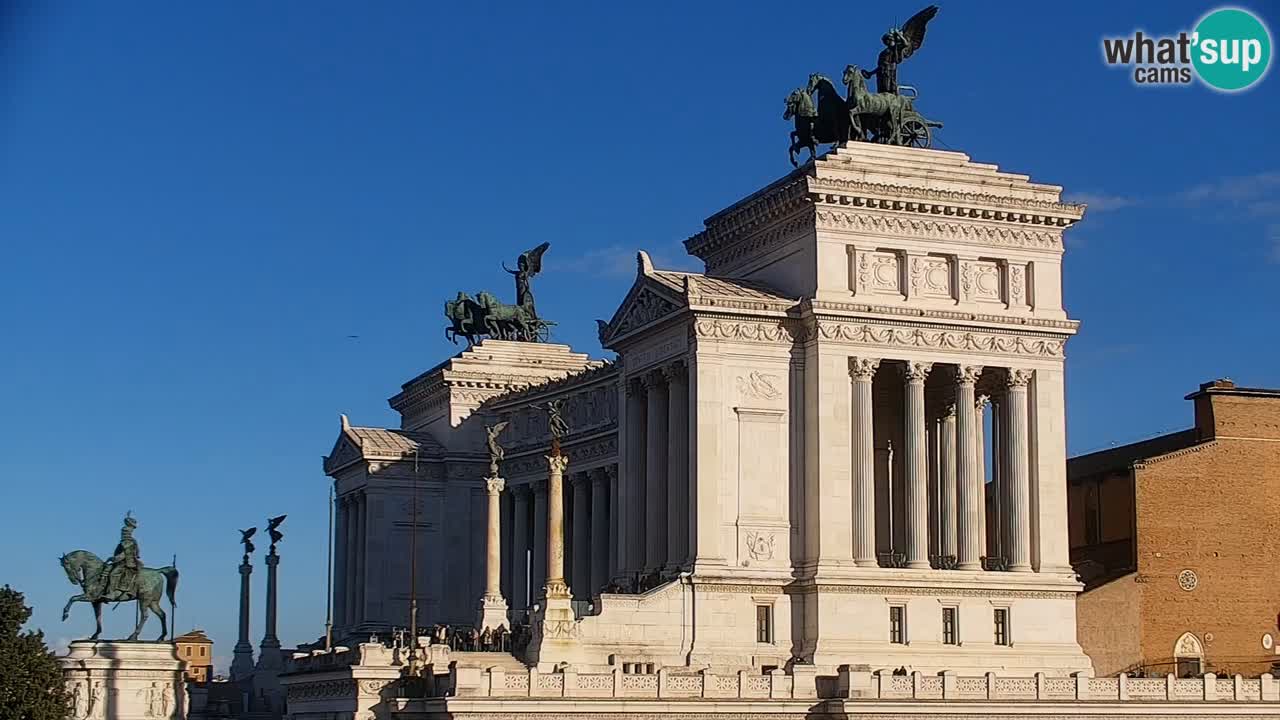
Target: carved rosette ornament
968 374
863 368
916 372
1017 378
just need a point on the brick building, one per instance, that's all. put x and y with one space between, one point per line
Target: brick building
1176 539
196 650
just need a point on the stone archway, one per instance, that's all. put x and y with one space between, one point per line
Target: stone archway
1188 655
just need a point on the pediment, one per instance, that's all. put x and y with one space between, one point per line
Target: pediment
345 451
646 303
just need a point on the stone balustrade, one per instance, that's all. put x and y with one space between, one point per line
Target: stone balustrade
854 685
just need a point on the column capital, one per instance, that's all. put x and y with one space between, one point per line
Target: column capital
967 374
654 379
949 411
1017 378
557 463
916 372
494 485
581 479
980 403
675 372
863 368
634 387
519 491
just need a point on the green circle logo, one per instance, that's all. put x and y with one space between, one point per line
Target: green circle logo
1231 49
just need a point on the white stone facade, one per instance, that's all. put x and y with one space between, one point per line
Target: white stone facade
120 680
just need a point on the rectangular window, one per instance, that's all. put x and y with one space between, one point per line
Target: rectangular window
950 636
897 624
1002 626
764 623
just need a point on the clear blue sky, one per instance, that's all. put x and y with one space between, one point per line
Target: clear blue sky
199 203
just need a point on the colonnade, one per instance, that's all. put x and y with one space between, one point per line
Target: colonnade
589 504
349 556
944 505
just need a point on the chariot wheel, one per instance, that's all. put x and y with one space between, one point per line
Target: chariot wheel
914 132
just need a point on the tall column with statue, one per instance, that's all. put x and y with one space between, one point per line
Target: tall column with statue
493 607
266 676
555 630
242 659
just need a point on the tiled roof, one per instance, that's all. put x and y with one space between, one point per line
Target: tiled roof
195 636
383 442
703 285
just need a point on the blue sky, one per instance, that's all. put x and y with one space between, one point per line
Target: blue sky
199 204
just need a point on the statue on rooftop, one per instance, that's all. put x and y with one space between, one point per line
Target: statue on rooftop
486 316
887 116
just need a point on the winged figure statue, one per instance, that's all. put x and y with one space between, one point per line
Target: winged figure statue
527 265
496 453
246 539
276 535
899 44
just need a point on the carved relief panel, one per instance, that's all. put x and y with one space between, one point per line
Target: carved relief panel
931 277
877 272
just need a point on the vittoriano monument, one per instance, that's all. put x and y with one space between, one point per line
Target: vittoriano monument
120 579
886 116
486 316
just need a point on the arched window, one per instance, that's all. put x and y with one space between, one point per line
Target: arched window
1188 653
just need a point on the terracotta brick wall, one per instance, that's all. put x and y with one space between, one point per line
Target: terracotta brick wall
1215 512
1108 623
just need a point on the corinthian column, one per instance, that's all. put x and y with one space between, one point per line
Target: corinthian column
656 473
677 465
969 553
980 444
1017 448
493 607
520 553
556 586
582 548
600 545
862 370
947 483
917 474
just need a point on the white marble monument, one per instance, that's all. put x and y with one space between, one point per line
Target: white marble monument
119 680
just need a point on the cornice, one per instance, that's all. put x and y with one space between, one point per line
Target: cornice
944 202
1175 454
600 371
901 223
1048 325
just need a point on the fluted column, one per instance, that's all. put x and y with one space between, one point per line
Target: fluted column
340 566
351 579
1018 463
968 481
632 510
999 478
656 473
539 578
614 523
677 465
582 545
599 546
520 549
862 370
555 587
917 491
947 479
980 445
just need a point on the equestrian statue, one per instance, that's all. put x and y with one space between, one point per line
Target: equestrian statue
120 579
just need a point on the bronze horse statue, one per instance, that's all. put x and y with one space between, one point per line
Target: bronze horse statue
883 112
88 571
486 315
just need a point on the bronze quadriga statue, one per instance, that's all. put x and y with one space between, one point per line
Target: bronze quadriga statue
486 316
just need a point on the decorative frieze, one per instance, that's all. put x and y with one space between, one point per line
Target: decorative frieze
744 330
976 233
958 340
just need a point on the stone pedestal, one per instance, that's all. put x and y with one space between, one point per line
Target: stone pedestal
116 680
